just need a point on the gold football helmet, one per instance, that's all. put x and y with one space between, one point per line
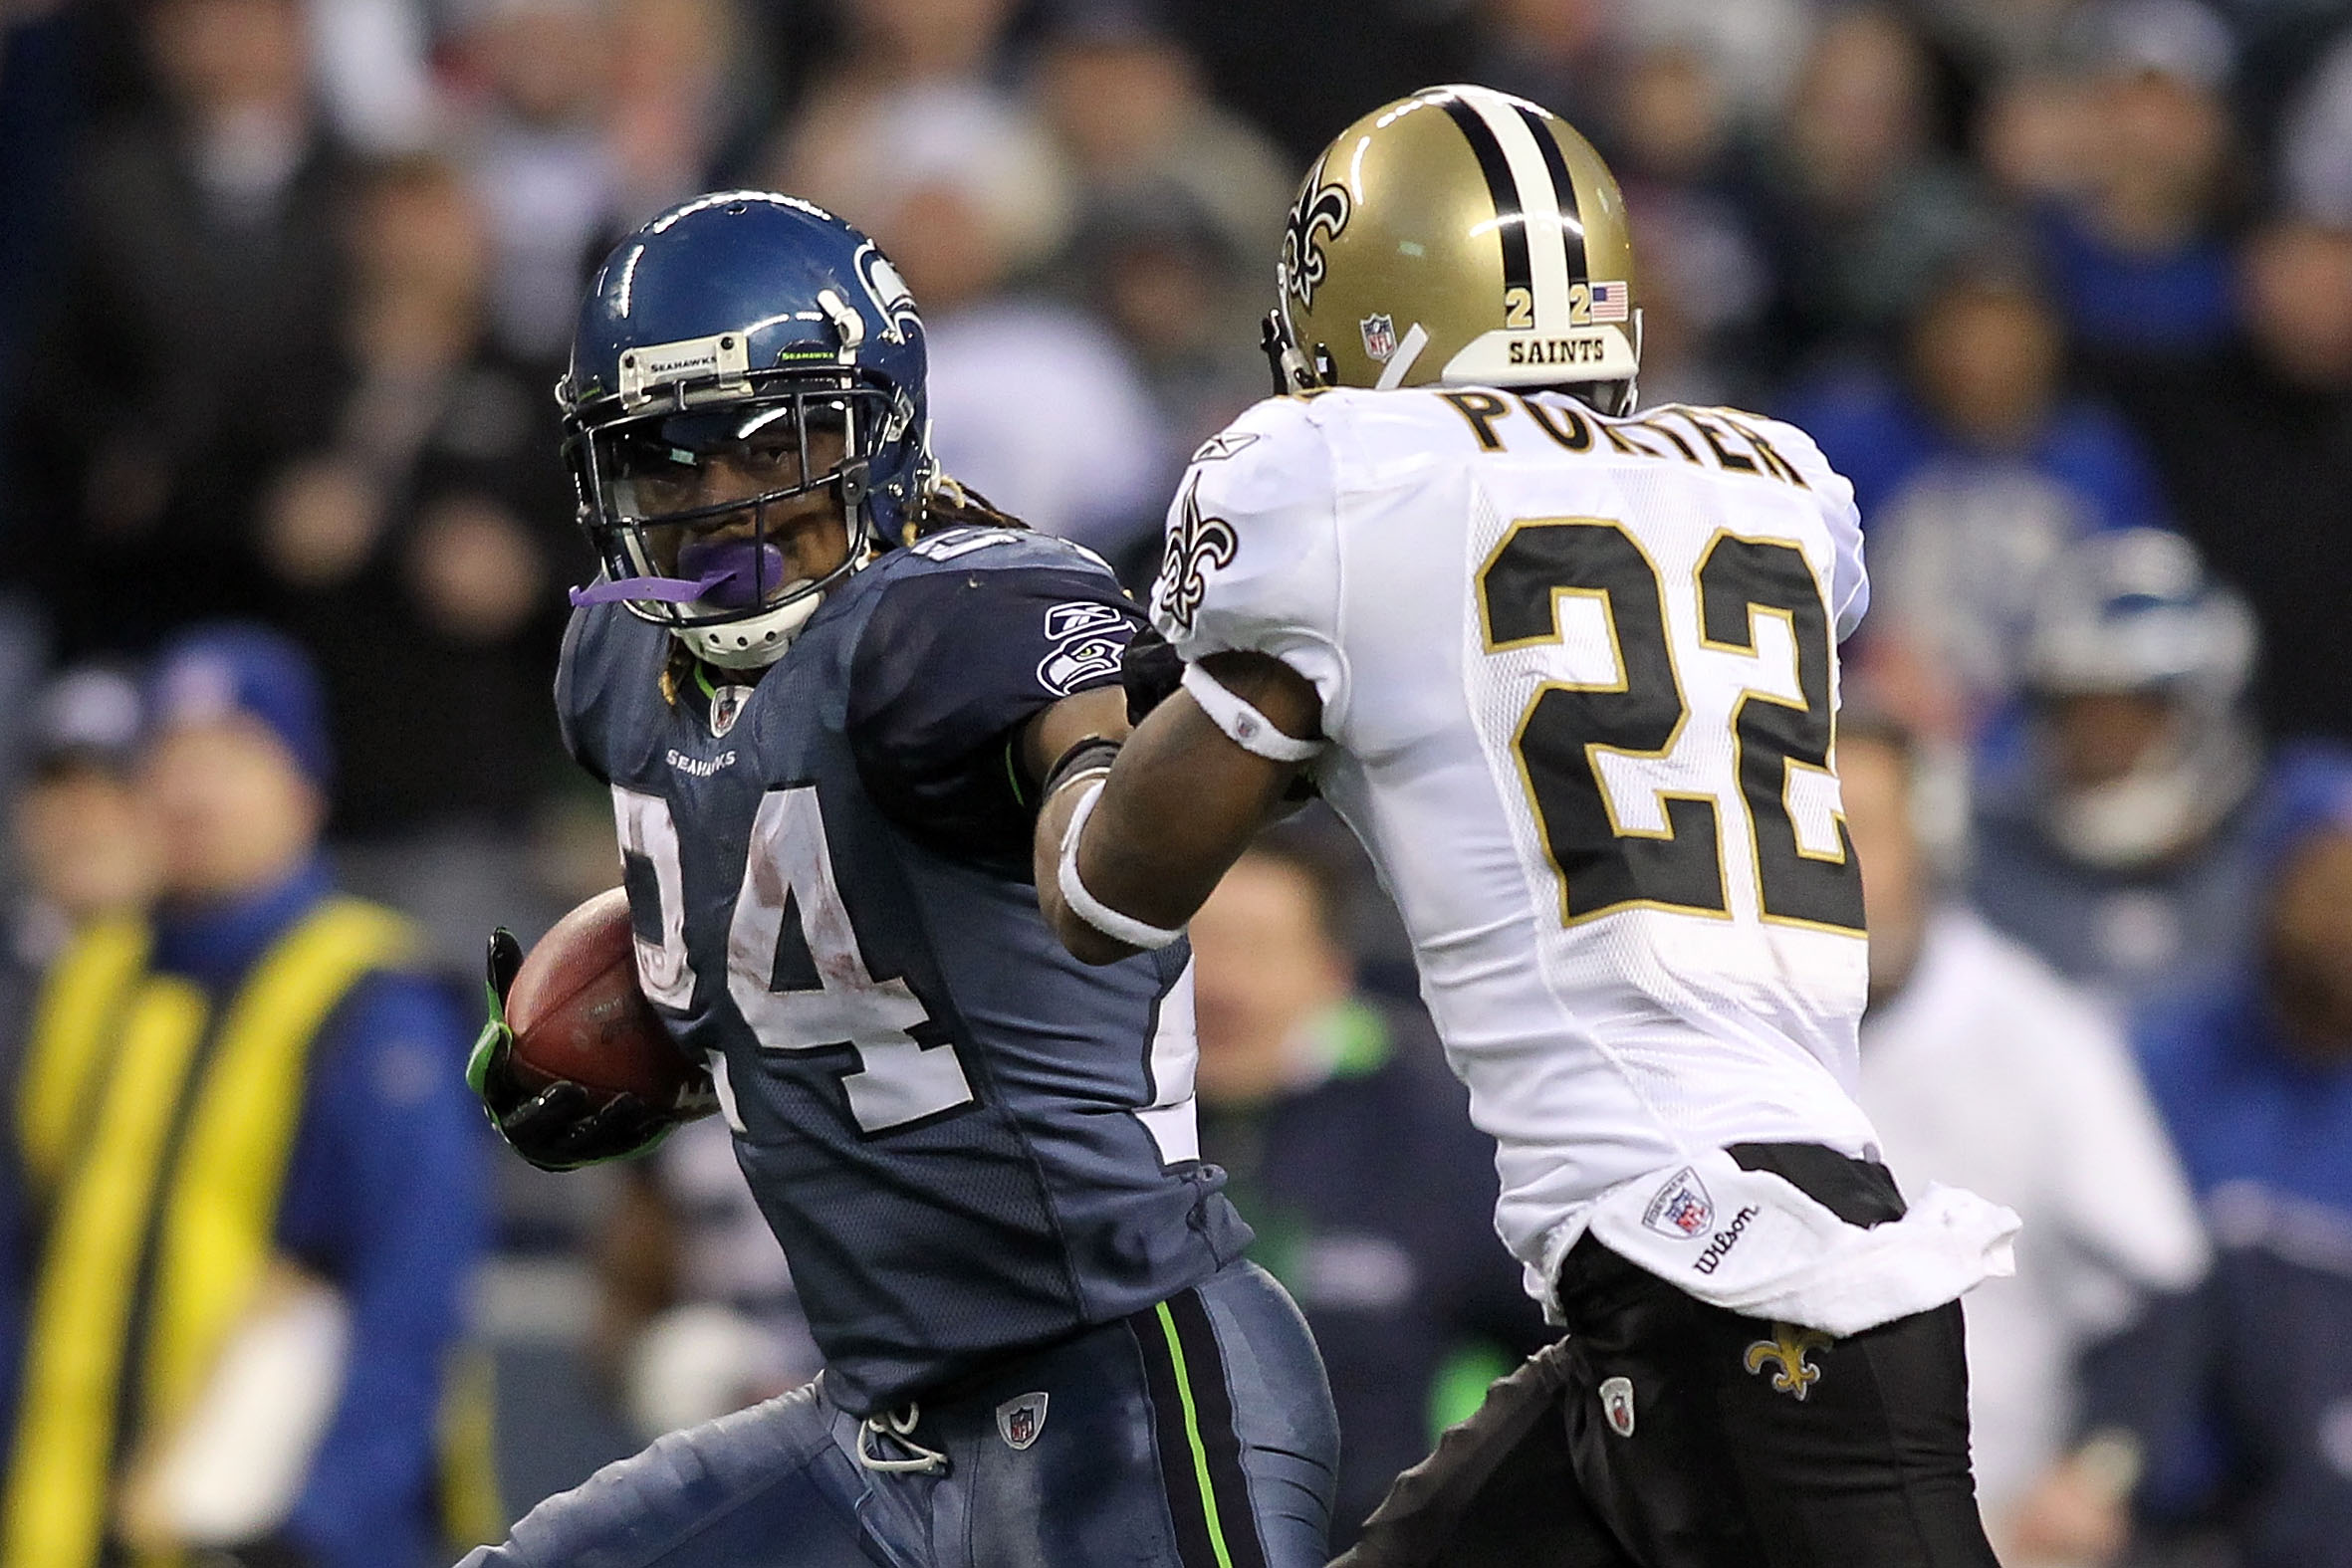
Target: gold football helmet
1459 237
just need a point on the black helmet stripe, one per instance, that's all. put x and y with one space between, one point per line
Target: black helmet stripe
1563 188
1510 219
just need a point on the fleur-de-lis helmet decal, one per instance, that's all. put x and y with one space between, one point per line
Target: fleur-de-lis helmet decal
1319 213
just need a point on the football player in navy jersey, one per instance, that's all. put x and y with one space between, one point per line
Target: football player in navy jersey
827 688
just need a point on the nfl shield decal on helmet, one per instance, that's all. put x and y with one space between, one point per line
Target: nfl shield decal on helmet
1379 337
1682 1210
1616 1402
1020 1420
726 707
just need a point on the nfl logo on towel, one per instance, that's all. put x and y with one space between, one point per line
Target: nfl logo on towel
1682 1209
1020 1420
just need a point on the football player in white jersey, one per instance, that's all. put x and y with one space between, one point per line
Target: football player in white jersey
1570 674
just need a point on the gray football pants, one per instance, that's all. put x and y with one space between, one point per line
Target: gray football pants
1195 1435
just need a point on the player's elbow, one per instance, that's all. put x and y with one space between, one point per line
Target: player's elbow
1085 943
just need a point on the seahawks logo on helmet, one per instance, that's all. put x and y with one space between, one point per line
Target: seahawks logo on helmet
1197 545
1320 213
894 301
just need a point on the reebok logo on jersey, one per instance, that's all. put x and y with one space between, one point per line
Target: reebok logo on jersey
1064 621
1682 1210
700 768
1020 1420
1219 447
1719 1245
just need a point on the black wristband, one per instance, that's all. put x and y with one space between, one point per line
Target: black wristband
1094 751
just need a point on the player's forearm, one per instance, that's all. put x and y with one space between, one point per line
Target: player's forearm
1085 943
1174 812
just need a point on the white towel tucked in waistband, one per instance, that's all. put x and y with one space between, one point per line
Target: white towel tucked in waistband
1751 1243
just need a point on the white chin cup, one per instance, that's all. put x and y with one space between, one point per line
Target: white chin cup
753 643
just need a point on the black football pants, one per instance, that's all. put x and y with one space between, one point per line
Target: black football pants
1664 1433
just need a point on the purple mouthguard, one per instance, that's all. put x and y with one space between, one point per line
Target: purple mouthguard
731 573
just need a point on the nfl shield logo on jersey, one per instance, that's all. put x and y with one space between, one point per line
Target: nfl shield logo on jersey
1616 1402
1020 1420
1682 1209
1379 337
726 707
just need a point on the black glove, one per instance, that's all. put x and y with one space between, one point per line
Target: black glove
1150 671
561 1127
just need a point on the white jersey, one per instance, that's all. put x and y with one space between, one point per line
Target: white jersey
1578 674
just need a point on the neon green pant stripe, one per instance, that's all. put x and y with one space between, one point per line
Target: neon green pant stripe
1192 1433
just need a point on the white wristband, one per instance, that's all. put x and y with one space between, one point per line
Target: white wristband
1244 725
1093 911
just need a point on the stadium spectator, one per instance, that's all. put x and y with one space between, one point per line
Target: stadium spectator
85 852
1126 100
421 556
2121 843
1754 49
1862 211
1972 473
538 145
689 100
2002 39
891 49
2137 260
2255 445
1685 173
372 61
193 347
1032 403
254 1175
84 848
1557 53
1173 192
2316 154
2255 1078
1981 1068
1351 1151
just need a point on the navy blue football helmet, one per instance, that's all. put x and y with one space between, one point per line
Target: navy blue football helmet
760 328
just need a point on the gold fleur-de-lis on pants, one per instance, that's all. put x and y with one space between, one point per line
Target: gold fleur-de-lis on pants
1788 1346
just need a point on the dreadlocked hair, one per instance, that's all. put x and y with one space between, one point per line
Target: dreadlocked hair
947 503
950 503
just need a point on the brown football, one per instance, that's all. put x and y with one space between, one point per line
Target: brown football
576 1012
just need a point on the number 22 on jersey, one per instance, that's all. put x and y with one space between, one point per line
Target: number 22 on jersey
1604 862
795 971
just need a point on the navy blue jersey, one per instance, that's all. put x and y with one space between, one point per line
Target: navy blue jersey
967 1142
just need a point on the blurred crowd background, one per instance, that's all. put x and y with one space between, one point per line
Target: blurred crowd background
2064 286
